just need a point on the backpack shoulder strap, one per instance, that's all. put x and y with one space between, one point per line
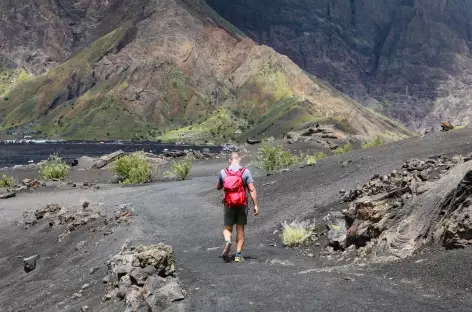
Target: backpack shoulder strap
228 172
240 172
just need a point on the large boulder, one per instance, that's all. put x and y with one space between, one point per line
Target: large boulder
426 201
105 160
337 229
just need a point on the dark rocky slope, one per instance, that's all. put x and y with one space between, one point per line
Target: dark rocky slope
410 59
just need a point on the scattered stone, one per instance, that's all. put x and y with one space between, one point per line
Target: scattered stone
80 245
85 204
32 184
93 270
106 297
253 141
124 211
85 286
4 193
70 220
30 263
84 309
76 296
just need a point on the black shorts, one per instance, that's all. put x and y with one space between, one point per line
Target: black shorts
235 215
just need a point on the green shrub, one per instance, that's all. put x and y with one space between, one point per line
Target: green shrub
133 169
296 233
54 168
181 168
5 98
312 159
273 157
6 181
378 141
346 148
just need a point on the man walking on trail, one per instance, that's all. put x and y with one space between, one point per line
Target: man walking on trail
235 181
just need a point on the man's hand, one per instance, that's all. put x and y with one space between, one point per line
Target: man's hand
256 210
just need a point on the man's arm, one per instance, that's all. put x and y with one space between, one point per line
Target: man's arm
219 185
252 190
253 194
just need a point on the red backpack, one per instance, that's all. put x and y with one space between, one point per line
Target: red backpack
235 192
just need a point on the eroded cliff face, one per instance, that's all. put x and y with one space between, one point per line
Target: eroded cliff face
409 58
149 68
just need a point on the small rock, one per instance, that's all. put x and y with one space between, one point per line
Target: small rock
106 297
150 270
85 286
84 308
106 279
30 263
165 296
310 255
76 296
396 204
135 301
385 179
85 204
4 194
308 243
93 270
139 276
80 245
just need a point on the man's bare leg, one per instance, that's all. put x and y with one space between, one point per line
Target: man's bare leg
239 238
227 233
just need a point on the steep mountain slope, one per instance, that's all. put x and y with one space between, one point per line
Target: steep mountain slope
149 68
409 58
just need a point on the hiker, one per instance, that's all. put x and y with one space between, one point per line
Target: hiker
235 181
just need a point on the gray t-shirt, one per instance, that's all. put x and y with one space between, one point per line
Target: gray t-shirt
247 177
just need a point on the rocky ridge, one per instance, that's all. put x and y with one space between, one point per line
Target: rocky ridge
409 59
392 216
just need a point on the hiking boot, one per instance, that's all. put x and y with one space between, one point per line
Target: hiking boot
238 259
226 250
